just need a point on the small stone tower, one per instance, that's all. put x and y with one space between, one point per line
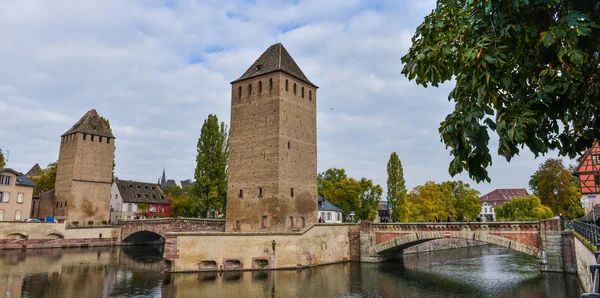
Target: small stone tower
272 182
84 172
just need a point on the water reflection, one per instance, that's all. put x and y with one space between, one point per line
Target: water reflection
136 271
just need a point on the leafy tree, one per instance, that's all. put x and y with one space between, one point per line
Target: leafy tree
46 179
466 200
184 206
527 70
349 194
529 208
369 198
553 174
426 202
210 187
396 189
332 176
2 161
107 123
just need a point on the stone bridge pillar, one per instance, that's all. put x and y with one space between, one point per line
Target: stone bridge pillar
367 245
556 247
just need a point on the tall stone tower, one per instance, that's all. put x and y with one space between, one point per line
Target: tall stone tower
84 173
272 182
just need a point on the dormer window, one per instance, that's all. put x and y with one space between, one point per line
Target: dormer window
258 67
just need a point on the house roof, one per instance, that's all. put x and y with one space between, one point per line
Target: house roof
327 206
90 123
141 192
34 171
170 182
503 195
22 180
585 165
275 58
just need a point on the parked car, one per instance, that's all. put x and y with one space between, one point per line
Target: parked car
32 220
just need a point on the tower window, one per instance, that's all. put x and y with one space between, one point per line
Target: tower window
292 193
84 135
263 222
286 85
302 92
107 140
289 146
259 87
295 89
260 192
270 84
309 95
99 139
303 222
291 221
249 90
240 92
241 194
237 225
92 137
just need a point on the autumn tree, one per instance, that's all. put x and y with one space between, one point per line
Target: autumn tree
427 202
396 189
183 205
553 174
2 161
526 70
210 187
349 194
466 205
46 179
529 208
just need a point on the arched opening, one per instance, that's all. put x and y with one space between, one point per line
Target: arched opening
144 237
19 236
55 236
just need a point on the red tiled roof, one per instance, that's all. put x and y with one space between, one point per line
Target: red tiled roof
503 195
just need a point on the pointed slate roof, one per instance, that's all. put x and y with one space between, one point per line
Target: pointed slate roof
90 123
34 171
275 58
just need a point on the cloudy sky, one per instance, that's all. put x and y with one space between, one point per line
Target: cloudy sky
156 69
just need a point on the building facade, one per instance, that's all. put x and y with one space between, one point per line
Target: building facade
496 198
84 172
328 212
16 191
136 200
588 173
272 174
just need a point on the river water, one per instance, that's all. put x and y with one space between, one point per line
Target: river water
136 271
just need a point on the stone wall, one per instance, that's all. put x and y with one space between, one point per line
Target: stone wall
31 230
24 235
163 226
584 258
318 245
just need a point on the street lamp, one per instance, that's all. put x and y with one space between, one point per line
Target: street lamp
555 191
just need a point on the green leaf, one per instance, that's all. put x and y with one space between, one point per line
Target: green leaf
547 38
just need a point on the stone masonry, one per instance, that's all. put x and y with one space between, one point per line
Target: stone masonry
272 183
84 172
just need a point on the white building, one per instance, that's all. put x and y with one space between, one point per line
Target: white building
328 212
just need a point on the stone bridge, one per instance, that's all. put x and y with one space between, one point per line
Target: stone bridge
540 239
146 228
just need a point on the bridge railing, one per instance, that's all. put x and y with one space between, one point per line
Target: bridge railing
590 232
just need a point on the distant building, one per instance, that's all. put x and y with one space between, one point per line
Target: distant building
34 172
328 212
16 191
163 182
129 198
496 198
588 172
42 205
187 182
383 212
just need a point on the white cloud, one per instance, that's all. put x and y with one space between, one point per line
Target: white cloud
157 71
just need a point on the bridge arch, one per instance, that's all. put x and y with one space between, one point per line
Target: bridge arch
144 236
415 238
55 235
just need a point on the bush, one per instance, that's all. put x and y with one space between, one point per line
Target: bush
90 222
529 208
104 222
75 223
